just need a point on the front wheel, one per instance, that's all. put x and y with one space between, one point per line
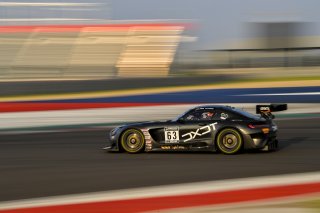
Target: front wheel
132 141
229 141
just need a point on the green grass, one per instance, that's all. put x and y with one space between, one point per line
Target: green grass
314 204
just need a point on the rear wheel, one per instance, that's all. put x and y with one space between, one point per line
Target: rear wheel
229 141
132 141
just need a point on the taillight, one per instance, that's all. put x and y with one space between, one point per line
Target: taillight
251 126
264 128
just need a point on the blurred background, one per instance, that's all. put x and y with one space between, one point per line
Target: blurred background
72 70
123 38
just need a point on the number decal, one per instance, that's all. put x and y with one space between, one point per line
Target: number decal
171 135
174 136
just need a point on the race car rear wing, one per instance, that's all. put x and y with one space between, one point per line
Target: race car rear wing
266 110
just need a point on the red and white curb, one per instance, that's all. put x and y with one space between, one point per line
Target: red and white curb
211 193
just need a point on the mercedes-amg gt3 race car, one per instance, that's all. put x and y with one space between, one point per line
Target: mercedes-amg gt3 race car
204 128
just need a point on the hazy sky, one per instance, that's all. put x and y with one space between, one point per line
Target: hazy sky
218 21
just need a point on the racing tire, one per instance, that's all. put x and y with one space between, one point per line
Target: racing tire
272 147
229 141
132 141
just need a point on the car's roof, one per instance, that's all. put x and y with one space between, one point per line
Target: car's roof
227 108
213 107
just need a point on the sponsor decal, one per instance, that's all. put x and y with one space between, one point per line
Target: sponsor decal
265 108
199 132
173 147
148 146
147 137
224 116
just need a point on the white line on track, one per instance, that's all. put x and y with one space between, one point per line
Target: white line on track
280 94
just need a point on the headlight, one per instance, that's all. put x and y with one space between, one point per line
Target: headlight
114 131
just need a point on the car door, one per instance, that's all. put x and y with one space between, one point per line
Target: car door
197 126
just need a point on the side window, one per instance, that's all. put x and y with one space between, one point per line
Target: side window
200 115
191 116
207 115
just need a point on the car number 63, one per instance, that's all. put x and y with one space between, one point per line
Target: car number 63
171 135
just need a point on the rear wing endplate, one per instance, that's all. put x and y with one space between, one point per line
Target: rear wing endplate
266 110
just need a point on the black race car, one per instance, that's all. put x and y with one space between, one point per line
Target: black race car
204 128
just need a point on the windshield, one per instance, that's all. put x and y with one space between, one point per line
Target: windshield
181 116
246 114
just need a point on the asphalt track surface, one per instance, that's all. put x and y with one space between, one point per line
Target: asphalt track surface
58 163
